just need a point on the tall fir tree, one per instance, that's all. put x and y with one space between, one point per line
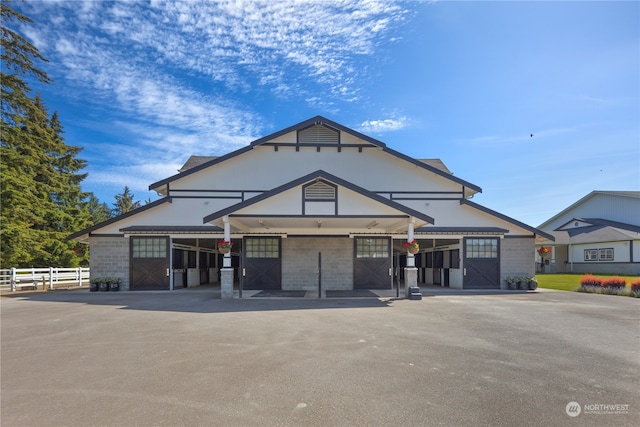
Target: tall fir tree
41 199
124 202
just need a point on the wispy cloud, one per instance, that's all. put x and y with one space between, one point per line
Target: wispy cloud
383 125
167 71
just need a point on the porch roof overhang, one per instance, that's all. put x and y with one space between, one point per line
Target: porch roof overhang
392 217
171 229
460 231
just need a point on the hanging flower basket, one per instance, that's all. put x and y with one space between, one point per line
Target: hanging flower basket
224 246
544 252
412 247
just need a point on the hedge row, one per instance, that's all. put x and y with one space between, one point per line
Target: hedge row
611 285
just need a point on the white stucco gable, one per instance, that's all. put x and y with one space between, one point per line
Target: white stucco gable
289 208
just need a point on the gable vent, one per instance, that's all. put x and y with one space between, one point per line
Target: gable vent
318 134
320 191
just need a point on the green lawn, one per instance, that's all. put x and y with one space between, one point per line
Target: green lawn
569 282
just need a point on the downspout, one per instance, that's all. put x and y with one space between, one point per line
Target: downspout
570 254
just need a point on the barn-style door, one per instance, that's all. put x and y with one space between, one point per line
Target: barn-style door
371 263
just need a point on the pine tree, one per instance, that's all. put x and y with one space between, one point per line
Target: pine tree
98 211
124 202
40 194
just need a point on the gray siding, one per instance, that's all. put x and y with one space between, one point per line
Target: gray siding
622 268
517 257
300 263
608 206
109 257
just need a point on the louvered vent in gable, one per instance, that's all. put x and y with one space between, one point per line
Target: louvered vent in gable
320 198
320 191
318 134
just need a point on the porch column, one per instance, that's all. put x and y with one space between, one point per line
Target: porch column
226 272
410 271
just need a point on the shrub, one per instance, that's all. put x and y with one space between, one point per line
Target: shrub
635 288
589 281
614 283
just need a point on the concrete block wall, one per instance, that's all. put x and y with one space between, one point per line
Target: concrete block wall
109 257
300 263
517 258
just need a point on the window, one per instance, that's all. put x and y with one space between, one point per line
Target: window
590 254
263 247
149 247
372 247
606 254
482 248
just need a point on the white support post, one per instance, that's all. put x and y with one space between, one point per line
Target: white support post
79 277
227 236
226 273
410 271
411 261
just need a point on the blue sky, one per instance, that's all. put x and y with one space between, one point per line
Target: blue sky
143 85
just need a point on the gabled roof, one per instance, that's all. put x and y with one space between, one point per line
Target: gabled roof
631 194
319 174
507 219
595 230
194 161
600 223
87 231
197 165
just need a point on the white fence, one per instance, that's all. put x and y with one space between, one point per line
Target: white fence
48 277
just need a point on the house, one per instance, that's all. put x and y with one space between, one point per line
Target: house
599 233
314 204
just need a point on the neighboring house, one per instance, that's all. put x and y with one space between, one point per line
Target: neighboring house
315 201
600 233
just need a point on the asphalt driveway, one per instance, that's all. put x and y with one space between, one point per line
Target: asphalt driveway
187 358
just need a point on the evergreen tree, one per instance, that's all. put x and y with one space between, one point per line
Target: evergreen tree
124 202
40 195
98 211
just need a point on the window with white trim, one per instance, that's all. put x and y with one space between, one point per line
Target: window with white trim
606 254
590 254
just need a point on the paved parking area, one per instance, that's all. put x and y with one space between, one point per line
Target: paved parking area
187 358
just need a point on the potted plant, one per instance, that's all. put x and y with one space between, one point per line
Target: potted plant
114 284
412 247
224 246
104 284
523 283
533 284
94 284
512 282
544 252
